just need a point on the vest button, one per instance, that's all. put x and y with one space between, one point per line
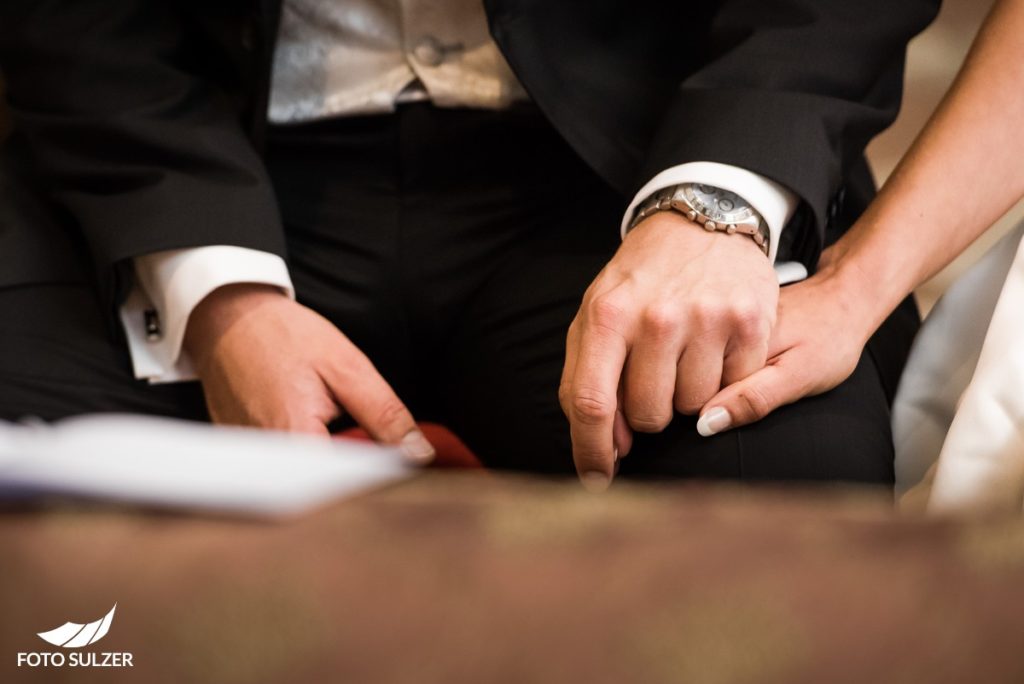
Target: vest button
429 52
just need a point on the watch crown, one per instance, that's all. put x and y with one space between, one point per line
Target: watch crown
692 215
731 228
710 225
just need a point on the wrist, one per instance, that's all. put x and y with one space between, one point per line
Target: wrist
672 226
865 298
710 208
221 309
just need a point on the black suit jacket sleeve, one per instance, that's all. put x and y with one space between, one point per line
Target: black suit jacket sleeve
793 90
144 152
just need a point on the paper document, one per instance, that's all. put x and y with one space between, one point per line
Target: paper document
186 465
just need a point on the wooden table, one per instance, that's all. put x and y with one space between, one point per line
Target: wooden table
482 578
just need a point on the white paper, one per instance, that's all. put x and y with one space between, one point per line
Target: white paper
186 465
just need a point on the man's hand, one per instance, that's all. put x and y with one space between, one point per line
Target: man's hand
676 313
267 361
824 323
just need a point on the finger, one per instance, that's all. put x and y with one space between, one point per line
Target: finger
779 383
744 355
779 341
786 330
593 402
622 435
747 348
650 374
366 395
569 368
699 375
311 427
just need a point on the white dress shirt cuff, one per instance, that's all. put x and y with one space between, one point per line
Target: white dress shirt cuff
774 202
168 287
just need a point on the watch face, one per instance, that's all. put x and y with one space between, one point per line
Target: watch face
718 205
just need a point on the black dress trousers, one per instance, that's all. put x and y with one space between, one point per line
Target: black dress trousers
453 247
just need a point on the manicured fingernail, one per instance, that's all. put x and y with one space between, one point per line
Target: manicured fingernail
713 422
416 447
595 481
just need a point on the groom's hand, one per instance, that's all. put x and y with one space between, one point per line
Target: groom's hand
676 314
267 361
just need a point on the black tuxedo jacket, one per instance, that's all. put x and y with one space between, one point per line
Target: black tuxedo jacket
141 120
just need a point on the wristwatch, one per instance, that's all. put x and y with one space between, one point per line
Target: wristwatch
713 208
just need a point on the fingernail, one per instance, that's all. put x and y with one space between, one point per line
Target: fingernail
416 447
595 481
713 422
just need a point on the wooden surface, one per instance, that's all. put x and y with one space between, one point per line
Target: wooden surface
481 578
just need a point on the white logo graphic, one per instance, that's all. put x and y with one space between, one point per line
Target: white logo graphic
74 635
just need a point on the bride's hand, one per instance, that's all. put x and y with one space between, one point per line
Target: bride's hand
823 324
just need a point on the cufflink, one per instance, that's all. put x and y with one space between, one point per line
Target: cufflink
151 324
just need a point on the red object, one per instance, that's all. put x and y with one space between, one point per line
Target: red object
451 451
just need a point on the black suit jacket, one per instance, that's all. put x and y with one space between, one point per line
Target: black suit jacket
142 120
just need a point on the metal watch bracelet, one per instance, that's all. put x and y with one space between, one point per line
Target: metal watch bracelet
672 199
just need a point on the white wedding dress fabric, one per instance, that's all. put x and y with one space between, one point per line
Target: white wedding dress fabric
958 417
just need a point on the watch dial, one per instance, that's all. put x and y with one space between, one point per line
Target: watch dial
717 204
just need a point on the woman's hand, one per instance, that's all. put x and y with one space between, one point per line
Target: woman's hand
823 324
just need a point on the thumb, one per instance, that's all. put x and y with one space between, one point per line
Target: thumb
751 399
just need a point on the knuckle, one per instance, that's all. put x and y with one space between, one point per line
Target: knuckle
591 406
572 329
748 322
660 320
392 413
606 312
564 396
755 401
649 422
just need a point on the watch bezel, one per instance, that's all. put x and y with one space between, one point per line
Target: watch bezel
735 217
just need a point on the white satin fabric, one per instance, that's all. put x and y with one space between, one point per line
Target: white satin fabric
958 419
362 56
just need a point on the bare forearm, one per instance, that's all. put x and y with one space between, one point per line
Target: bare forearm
964 171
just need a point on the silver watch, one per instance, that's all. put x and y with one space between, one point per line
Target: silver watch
713 208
